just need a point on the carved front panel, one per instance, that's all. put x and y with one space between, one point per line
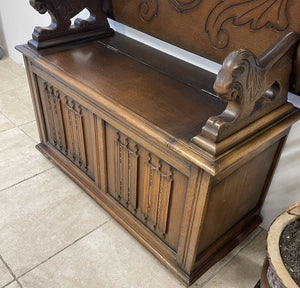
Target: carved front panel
53 112
76 147
67 124
125 164
147 186
157 190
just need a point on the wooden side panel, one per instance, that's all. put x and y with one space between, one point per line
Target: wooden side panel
235 196
68 126
147 186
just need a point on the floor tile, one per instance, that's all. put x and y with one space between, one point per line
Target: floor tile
244 269
16 105
5 276
14 285
31 130
5 124
18 158
12 75
41 216
223 262
107 258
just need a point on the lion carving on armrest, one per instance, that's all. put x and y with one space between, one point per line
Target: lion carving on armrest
241 80
62 11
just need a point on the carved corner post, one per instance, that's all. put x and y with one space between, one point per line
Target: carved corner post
252 87
62 11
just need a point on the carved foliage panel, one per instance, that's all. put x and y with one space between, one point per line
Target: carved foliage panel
147 186
65 125
212 28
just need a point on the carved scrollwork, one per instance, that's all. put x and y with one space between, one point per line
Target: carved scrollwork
258 13
184 6
148 9
61 13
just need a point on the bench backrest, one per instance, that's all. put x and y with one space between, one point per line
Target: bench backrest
212 28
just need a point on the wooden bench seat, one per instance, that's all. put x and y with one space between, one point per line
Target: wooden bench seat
108 68
183 168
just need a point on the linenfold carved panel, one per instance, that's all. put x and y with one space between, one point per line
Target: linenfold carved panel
64 121
144 184
76 147
54 114
126 161
157 190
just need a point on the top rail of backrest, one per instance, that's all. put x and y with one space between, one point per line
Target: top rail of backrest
212 28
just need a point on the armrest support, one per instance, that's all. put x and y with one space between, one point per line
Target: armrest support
61 31
252 87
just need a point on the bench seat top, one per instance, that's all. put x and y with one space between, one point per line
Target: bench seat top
169 93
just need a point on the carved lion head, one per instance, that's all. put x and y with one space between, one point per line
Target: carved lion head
39 5
239 77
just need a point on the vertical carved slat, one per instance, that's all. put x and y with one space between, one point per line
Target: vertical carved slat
157 189
125 173
76 149
154 195
132 189
70 141
147 184
80 139
54 115
49 111
58 121
125 162
117 166
73 132
164 201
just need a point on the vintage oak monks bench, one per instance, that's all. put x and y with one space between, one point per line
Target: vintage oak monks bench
182 166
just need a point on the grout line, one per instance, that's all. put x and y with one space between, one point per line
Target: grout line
14 125
11 272
244 244
13 185
31 121
20 127
71 244
7 284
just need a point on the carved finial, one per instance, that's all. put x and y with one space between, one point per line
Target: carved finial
60 30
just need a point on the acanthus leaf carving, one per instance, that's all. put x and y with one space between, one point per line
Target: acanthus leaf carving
257 13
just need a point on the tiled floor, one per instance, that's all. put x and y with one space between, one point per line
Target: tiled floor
53 235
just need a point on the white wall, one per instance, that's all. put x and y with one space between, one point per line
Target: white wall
18 20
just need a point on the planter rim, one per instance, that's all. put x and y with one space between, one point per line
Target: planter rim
273 250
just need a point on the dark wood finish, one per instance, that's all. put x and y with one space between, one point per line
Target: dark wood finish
213 29
61 31
251 86
137 129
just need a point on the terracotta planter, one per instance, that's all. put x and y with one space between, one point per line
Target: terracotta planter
275 273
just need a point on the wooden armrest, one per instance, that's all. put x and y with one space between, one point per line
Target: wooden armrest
61 31
251 86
